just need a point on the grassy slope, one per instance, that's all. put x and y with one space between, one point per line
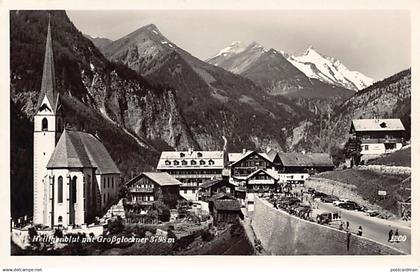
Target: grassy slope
399 158
368 183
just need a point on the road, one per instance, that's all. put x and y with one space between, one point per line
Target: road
374 228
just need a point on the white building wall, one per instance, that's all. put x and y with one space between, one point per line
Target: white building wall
109 188
188 194
44 145
372 149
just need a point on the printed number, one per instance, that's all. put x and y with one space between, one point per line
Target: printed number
398 238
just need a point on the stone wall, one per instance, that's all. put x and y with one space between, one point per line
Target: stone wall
283 234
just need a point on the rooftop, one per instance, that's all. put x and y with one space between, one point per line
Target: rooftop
377 124
227 205
82 149
190 159
161 178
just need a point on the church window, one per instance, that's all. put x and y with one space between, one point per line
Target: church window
73 190
108 183
60 189
44 124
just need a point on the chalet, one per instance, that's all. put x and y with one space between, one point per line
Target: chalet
377 136
192 168
154 186
296 167
75 178
212 187
226 211
262 180
246 163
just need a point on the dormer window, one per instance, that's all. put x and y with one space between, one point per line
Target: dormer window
211 162
202 162
193 162
182 155
199 154
184 162
167 162
44 124
382 125
176 162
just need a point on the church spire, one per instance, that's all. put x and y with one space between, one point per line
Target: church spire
48 76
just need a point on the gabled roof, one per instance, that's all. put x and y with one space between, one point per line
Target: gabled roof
82 149
210 183
227 205
271 155
306 160
249 153
272 174
377 125
161 178
48 75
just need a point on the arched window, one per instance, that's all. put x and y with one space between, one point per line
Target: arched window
176 162
60 219
168 162
202 162
60 189
199 154
193 162
184 162
44 124
211 162
73 189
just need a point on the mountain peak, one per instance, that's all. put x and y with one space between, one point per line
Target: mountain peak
234 48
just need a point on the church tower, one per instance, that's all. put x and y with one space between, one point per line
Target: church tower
48 125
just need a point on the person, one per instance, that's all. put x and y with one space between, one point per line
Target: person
360 231
341 226
390 234
396 235
347 225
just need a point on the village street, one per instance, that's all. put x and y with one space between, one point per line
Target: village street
374 228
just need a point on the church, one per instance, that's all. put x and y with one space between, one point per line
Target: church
75 178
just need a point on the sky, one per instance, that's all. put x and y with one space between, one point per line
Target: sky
374 42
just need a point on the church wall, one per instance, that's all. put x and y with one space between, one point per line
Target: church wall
44 144
110 184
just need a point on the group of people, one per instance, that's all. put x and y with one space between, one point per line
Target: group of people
392 234
359 230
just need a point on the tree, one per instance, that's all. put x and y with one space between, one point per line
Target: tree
352 149
164 214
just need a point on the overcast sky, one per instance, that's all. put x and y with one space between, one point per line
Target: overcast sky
374 42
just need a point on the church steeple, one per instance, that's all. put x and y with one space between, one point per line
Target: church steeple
48 74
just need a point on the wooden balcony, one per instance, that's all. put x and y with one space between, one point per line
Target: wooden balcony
141 190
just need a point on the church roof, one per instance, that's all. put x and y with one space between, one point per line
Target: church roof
81 149
307 160
48 75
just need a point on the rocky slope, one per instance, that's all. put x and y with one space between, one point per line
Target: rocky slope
99 42
213 101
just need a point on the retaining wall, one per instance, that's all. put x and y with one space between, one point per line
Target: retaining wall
283 234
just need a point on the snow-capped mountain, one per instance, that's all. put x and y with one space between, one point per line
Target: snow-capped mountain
271 70
329 70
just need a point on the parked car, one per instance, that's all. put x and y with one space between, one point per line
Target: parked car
340 201
318 194
350 205
372 213
329 198
324 218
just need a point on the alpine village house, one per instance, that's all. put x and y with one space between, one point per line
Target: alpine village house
75 178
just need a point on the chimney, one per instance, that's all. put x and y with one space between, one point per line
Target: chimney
243 151
190 150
